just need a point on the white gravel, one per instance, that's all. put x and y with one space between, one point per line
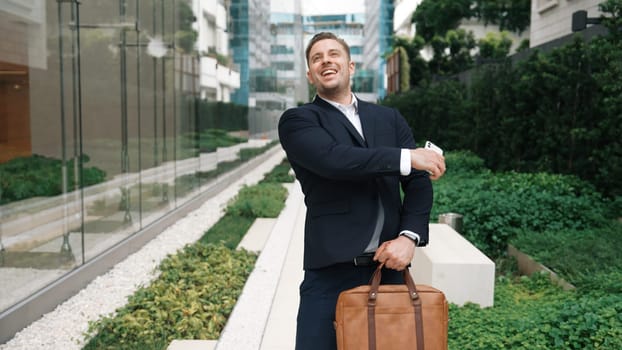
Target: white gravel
64 327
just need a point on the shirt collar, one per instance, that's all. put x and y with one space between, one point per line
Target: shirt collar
354 104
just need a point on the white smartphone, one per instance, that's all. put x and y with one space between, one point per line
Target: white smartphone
433 147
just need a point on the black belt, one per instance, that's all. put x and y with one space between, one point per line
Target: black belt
365 259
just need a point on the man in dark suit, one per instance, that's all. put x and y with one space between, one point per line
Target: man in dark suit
351 159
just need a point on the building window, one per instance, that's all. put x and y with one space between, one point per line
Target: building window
283 65
544 5
356 50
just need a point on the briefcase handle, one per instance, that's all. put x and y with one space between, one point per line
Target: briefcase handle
408 280
371 307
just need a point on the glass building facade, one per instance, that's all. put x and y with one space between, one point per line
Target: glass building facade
102 133
287 55
379 32
249 40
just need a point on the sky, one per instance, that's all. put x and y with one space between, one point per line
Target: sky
320 7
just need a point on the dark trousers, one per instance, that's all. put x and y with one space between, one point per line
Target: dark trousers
318 297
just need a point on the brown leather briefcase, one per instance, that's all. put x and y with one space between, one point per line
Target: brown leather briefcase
391 317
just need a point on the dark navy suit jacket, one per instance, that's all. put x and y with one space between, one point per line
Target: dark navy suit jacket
342 175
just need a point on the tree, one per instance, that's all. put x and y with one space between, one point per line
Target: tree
512 15
452 52
436 17
418 66
494 45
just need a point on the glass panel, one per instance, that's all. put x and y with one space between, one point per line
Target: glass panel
108 121
78 91
106 126
40 175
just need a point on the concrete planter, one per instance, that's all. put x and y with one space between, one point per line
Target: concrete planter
527 266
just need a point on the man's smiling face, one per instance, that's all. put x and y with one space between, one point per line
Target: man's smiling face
330 68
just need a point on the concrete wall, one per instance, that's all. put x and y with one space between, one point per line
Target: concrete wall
552 19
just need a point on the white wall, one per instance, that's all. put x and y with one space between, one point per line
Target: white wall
552 19
402 17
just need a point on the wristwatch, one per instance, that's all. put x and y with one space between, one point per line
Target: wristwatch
412 236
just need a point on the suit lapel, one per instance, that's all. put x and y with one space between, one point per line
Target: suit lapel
368 123
334 113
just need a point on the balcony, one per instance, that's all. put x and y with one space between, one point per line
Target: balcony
215 75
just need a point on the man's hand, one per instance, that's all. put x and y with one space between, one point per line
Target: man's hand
396 254
426 159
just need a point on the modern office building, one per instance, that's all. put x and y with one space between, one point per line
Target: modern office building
219 76
250 39
378 31
282 83
402 17
287 52
348 22
250 42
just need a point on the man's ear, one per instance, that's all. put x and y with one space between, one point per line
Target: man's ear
351 67
309 77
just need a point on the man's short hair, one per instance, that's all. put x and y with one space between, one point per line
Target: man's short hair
326 35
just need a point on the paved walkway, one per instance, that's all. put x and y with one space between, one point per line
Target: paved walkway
265 314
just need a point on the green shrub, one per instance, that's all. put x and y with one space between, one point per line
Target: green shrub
191 299
579 255
248 153
262 200
496 205
265 199
26 177
531 313
220 115
464 163
280 174
565 224
229 230
211 139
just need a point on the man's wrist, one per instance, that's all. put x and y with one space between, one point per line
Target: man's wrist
412 236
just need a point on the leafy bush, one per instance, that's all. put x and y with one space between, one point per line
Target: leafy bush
26 177
280 174
248 153
465 164
565 224
578 255
496 205
531 313
221 115
229 230
210 139
191 299
265 199
262 200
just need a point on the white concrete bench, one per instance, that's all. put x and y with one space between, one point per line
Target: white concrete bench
257 235
455 266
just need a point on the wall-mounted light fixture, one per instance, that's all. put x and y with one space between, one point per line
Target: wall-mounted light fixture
580 20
